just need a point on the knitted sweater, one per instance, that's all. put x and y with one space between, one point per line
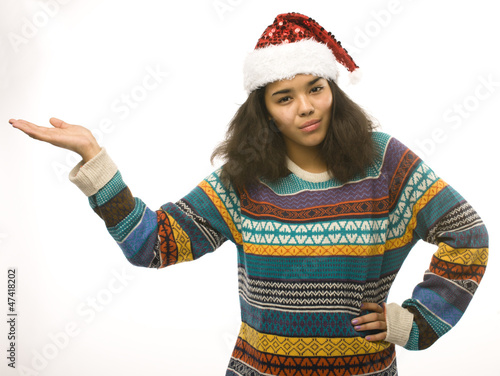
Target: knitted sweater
310 251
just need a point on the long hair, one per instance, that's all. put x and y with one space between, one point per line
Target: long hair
254 148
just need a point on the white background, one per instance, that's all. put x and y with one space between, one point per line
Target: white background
425 65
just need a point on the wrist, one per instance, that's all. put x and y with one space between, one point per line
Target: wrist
90 152
399 324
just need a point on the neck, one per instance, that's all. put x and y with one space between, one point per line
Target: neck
307 159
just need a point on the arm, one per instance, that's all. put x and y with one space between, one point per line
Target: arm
182 231
456 268
427 208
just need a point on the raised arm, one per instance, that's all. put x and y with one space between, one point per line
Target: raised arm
182 231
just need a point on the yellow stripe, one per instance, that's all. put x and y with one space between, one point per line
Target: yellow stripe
407 237
221 208
464 256
182 240
306 346
331 250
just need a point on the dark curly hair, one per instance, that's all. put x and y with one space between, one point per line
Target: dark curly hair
253 149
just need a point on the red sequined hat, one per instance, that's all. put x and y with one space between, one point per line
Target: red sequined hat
295 44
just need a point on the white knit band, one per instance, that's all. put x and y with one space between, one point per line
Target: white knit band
284 61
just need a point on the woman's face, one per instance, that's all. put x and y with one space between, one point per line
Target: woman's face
301 108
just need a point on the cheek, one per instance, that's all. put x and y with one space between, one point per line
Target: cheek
283 118
327 103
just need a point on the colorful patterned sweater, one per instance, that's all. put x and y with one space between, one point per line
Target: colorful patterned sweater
310 251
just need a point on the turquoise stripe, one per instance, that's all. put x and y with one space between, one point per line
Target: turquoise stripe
412 343
313 268
360 231
438 206
110 190
476 237
439 326
313 324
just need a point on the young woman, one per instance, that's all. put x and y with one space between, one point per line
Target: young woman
322 209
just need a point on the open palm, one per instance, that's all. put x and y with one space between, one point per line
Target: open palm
68 136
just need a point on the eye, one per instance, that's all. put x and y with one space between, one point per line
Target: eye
317 89
284 99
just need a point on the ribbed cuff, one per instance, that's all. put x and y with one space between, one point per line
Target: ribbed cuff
93 175
399 323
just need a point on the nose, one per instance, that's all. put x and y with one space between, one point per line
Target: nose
306 108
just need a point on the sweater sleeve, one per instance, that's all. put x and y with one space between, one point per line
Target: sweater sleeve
427 208
182 231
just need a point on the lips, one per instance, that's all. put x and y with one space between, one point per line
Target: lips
310 126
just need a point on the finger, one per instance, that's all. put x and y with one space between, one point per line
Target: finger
32 130
370 317
374 325
376 337
58 123
372 307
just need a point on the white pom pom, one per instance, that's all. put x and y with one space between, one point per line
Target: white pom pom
355 77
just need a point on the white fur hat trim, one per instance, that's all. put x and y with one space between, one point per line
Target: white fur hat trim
285 61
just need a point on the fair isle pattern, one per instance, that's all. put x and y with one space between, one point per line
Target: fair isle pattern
228 213
307 346
311 296
314 250
353 232
309 253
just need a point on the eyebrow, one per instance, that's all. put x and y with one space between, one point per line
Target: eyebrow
285 91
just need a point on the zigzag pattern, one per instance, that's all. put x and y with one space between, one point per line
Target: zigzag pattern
327 296
361 209
402 173
461 218
168 248
360 232
304 346
457 271
248 361
156 262
467 256
468 285
215 238
182 241
402 234
309 254
225 206
314 250
365 190
228 196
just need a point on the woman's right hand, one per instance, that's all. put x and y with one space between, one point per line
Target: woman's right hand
68 136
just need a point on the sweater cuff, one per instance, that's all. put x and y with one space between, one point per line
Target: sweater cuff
399 324
93 175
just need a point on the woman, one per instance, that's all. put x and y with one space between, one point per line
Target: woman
322 210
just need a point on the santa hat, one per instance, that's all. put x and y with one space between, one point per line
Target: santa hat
295 44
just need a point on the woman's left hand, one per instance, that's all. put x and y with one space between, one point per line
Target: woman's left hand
372 321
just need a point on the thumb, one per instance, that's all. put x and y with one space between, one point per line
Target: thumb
58 123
